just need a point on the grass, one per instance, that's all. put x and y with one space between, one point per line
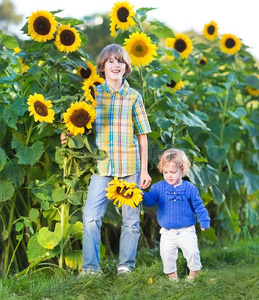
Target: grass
230 271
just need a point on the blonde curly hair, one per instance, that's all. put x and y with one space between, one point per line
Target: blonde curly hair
178 157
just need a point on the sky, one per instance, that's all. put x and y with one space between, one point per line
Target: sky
237 17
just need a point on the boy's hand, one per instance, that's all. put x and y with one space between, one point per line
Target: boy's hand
145 180
63 137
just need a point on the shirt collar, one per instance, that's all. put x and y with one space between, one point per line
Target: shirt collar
122 91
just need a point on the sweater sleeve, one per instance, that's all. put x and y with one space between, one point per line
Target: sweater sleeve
151 198
199 208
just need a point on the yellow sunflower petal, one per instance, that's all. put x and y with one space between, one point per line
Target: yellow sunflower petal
90 91
42 26
67 39
87 73
40 108
122 15
140 48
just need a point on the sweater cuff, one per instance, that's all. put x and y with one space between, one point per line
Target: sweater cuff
205 225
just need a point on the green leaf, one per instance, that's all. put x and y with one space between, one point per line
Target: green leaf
218 196
19 226
34 214
48 239
10 118
58 194
52 213
6 190
9 41
74 259
35 250
75 228
30 155
3 158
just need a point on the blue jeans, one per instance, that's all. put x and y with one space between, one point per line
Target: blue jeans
93 213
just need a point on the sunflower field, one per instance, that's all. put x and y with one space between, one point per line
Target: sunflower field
201 95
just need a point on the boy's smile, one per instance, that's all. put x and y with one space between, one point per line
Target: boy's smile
114 71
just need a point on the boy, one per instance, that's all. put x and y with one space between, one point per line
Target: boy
178 203
121 126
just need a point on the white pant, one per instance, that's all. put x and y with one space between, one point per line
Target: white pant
184 238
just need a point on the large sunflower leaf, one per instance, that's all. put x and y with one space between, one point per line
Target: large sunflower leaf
35 250
30 155
3 158
48 239
6 190
74 259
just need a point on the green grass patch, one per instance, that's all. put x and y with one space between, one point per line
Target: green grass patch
230 271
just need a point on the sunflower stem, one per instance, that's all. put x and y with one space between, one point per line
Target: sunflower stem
49 76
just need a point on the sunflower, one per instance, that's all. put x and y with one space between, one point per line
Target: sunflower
230 44
113 29
90 92
97 80
251 91
86 73
23 67
122 15
203 61
42 26
79 116
67 39
123 192
210 30
40 108
182 43
176 86
17 50
140 48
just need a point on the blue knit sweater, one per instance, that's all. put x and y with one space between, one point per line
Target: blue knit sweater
177 206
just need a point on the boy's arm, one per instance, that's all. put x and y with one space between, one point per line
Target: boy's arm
145 179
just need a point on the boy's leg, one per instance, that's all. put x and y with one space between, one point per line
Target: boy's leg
93 213
129 231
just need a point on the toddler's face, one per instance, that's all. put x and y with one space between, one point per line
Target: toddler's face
172 174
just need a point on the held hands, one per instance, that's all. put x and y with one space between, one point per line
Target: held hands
145 180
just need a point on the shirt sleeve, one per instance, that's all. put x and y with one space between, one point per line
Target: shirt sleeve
140 120
151 198
199 208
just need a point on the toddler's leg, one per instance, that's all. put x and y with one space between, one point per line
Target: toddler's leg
169 252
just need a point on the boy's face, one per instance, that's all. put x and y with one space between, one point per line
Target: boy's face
114 69
172 174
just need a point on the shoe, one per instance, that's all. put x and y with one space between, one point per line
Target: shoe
121 271
175 279
88 272
189 279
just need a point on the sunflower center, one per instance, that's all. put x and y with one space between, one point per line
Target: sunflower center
67 37
211 29
96 83
123 14
122 193
140 49
86 73
80 118
40 108
92 92
180 45
42 25
202 62
172 84
230 43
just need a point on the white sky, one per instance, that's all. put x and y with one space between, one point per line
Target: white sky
237 17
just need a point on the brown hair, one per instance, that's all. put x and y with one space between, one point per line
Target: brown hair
178 157
120 54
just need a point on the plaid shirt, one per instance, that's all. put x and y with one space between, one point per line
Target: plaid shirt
120 118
